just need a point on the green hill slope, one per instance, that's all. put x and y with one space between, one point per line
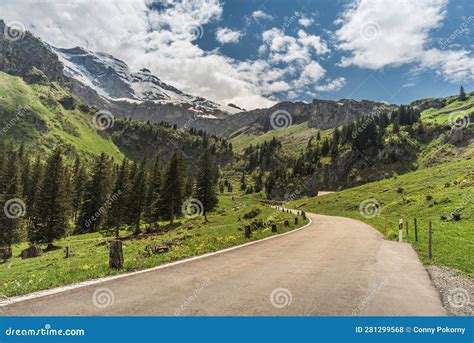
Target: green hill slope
43 116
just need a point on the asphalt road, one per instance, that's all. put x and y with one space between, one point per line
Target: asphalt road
335 266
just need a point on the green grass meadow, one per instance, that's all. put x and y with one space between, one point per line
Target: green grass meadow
90 251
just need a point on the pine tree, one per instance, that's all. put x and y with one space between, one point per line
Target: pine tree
462 94
243 184
172 191
336 135
153 193
115 217
50 213
95 196
79 180
32 187
206 184
396 125
9 224
136 200
325 148
189 188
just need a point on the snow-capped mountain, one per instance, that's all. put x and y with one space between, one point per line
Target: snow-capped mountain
113 80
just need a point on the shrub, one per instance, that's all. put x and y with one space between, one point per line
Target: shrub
253 213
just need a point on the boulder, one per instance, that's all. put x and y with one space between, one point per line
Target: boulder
5 253
31 251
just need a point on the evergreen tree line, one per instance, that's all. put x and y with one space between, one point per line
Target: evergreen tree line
51 198
366 134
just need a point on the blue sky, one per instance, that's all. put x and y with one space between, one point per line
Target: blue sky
257 52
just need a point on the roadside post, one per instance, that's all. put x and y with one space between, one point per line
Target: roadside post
416 230
406 227
400 230
430 237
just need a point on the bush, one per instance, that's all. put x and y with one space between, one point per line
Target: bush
253 213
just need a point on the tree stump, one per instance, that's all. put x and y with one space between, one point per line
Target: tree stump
6 253
248 231
274 228
31 251
116 254
296 220
287 223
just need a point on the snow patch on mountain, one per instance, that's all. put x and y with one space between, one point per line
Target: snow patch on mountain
112 79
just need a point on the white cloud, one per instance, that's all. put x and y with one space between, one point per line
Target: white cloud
311 73
261 15
332 86
313 41
306 22
391 33
288 49
454 66
226 35
165 42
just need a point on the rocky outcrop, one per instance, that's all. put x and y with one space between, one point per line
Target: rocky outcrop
22 53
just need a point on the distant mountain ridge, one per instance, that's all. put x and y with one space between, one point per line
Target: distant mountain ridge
107 83
112 79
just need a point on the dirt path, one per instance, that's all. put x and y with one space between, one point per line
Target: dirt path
335 266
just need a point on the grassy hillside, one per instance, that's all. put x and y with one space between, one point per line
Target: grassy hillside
429 194
294 138
188 237
451 107
34 115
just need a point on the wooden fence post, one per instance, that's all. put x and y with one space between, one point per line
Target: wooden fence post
430 237
416 230
406 227
247 231
400 230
